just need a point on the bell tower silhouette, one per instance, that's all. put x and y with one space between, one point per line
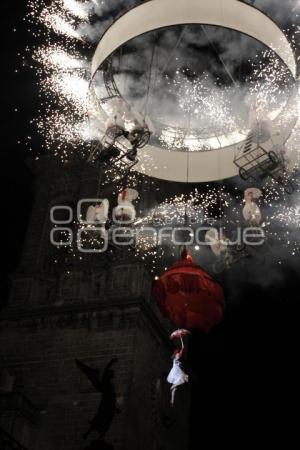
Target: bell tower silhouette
92 307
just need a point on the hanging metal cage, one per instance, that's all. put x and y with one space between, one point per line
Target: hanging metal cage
256 163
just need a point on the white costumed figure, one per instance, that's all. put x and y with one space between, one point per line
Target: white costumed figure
218 244
125 211
177 376
138 120
98 215
251 211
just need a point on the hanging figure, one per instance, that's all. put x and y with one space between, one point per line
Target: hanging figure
125 211
177 376
97 215
134 137
218 244
115 138
140 132
251 211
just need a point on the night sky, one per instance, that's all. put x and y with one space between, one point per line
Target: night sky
243 373
19 92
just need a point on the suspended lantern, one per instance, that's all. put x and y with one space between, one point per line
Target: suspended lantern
189 296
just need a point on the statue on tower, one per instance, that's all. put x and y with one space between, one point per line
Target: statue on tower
108 405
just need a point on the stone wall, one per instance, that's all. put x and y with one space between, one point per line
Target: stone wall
93 308
40 352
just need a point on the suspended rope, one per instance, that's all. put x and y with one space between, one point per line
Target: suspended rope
99 184
219 56
188 152
162 71
187 169
149 79
236 85
154 84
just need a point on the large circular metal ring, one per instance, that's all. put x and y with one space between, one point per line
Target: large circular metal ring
233 14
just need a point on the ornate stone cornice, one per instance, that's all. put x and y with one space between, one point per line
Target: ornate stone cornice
92 315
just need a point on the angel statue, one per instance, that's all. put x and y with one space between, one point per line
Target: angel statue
108 406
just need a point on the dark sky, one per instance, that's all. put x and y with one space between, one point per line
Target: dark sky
244 370
19 91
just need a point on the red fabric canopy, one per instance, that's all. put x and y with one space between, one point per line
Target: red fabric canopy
189 296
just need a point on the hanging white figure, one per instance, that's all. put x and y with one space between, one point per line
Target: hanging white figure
177 376
97 216
115 131
251 211
218 244
125 211
138 120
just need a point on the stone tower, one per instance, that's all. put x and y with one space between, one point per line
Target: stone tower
94 308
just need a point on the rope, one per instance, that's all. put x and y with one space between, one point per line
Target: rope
154 84
149 80
236 85
100 178
219 56
173 51
187 169
188 153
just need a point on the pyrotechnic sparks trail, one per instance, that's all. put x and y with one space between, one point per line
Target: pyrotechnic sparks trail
77 9
180 217
204 102
208 108
71 118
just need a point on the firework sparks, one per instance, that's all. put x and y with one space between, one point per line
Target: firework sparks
71 118
77 9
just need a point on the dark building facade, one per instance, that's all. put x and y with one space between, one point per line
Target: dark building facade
92 307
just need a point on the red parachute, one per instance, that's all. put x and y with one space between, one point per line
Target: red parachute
189 296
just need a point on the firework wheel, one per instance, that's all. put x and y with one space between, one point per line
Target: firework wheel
244 174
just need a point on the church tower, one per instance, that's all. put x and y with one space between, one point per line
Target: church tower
91 307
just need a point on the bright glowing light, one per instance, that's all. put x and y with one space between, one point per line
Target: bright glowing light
81 10
62 60
61 25
72 87
70 118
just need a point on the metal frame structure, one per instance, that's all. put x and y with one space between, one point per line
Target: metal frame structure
202 166
257 163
